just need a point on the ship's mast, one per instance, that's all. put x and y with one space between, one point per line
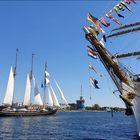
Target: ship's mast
16 63
31 73
14 72
45 85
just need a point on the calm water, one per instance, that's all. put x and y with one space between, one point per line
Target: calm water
69 126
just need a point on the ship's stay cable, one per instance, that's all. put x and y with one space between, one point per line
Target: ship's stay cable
126 26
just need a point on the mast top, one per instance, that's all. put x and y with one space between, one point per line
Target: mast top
31 72
17 50
46 66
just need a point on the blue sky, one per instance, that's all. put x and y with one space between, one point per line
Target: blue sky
53 31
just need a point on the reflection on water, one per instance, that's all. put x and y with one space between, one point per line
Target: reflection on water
69 126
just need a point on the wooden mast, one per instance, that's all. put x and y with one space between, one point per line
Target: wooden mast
14 72
31 72
16 63
106 58
45 85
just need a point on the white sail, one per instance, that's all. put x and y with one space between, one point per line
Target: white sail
38 100
37 97
61 94
46 74
47 81
10 89
50 102
55 101
27 95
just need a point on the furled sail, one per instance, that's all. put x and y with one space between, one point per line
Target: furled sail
27 95
61 94
50 101
37 97
54 98
8 99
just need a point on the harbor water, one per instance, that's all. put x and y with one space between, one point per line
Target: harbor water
69 126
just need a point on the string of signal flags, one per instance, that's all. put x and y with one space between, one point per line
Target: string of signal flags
96 28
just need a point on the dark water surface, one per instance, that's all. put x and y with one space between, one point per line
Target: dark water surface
69 126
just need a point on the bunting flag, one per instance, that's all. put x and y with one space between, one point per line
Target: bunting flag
102 20
93 31
133 1
126 6
109 15
94 20
91 67
117 21
116 11
93 82
127 1
91 52
120 7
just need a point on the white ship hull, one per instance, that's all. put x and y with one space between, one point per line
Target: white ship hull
136 111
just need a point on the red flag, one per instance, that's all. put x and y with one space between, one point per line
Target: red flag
127 1
109 15
92 53
133 1
106 24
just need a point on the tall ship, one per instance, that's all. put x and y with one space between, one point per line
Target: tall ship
127 82
39 107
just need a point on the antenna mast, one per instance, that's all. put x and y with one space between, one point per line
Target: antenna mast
81 90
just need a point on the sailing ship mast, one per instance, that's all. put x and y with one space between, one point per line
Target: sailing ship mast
45 85
9 94
28 88
31 72
15 72
16 63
